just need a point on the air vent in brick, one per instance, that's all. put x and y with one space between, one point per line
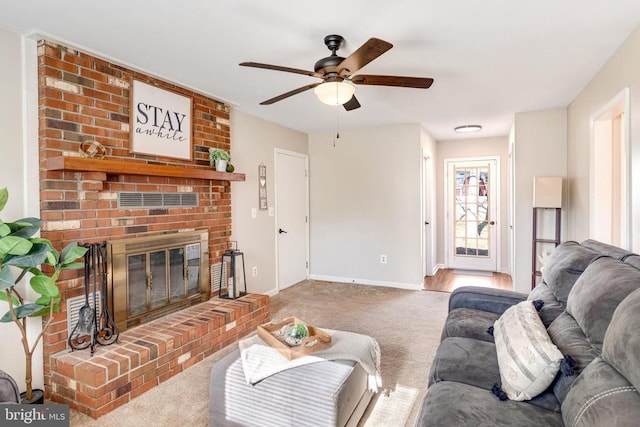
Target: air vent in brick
134 199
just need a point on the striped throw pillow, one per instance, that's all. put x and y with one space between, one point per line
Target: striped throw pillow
528 359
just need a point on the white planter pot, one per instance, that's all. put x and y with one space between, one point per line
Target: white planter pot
221 165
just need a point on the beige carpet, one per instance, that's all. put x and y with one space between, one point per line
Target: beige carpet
406 324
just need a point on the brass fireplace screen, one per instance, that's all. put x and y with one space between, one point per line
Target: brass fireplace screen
156 275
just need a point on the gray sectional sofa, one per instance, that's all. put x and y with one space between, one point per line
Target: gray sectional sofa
591 310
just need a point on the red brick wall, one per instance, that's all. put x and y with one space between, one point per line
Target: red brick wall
83 98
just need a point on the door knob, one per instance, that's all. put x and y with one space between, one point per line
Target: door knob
280 231
492 223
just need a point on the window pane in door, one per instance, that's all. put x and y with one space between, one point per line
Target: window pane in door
471 209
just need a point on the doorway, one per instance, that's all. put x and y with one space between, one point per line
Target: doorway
292 218
471 213
427 217
610 209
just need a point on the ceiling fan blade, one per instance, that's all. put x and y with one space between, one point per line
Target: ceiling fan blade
351 104
279 68
399 81
366 53
288 94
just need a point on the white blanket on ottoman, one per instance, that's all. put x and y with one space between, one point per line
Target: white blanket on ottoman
260 360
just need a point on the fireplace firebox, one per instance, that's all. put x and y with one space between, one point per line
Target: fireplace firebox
153 276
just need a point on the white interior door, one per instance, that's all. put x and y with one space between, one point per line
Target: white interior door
292 231
427 256
471 214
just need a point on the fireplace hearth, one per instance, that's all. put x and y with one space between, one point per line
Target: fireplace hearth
150 277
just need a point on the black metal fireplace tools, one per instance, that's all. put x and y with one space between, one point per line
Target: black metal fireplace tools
94 325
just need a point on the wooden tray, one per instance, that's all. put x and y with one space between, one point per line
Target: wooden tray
317 339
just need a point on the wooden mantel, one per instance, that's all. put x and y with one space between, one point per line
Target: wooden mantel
117 167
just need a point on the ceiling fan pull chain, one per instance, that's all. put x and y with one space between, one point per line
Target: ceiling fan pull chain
337 110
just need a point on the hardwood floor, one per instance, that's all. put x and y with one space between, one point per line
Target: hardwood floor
446 280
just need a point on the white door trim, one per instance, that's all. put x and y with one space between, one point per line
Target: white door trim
511 203
447 203
613 106
277 151
426 207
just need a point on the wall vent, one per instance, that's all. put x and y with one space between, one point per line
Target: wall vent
73 309
136 199
216 269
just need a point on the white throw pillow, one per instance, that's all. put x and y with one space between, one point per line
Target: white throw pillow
528 359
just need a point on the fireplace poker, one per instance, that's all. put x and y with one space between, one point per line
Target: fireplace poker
82 335
107 331
94 325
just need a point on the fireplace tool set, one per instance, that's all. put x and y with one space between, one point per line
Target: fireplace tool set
94 324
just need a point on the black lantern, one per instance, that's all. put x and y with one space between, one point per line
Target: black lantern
233 281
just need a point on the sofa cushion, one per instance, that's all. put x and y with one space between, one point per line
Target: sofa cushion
552 308
600 396
456 404
621 347
633 260
485 299
566 264
606 393
469 323
571 340
605 249
527 358
465 360
597 293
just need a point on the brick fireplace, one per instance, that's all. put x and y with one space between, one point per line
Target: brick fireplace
83 98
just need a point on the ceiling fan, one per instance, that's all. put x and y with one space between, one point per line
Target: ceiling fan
337 74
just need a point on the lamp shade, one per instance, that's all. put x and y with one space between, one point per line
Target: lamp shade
334 93
547 192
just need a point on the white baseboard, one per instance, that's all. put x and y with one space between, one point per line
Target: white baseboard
436 268
442 266
271 292
410 286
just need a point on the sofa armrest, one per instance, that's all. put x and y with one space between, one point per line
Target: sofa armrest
485 299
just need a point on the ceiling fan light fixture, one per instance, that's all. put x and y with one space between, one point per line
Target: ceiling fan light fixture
468 128
334 93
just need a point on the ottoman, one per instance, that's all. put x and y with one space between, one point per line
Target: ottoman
332 393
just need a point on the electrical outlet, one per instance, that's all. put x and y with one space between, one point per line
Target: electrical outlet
254 212
383 259
254 271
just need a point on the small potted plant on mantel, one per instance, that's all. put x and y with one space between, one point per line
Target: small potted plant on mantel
21 253
219 158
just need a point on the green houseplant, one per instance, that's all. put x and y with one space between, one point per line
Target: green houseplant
219 158
21 253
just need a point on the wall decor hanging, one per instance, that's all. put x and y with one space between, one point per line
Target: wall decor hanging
160 122
262 186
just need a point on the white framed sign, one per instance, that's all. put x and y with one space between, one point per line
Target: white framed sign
160 122
262 186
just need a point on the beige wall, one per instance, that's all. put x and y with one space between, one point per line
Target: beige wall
19 173
474 147
253 141
621 70
540 150
365 202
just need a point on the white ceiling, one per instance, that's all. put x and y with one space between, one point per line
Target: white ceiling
490 59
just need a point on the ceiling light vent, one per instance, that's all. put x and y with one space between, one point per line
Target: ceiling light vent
135 199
